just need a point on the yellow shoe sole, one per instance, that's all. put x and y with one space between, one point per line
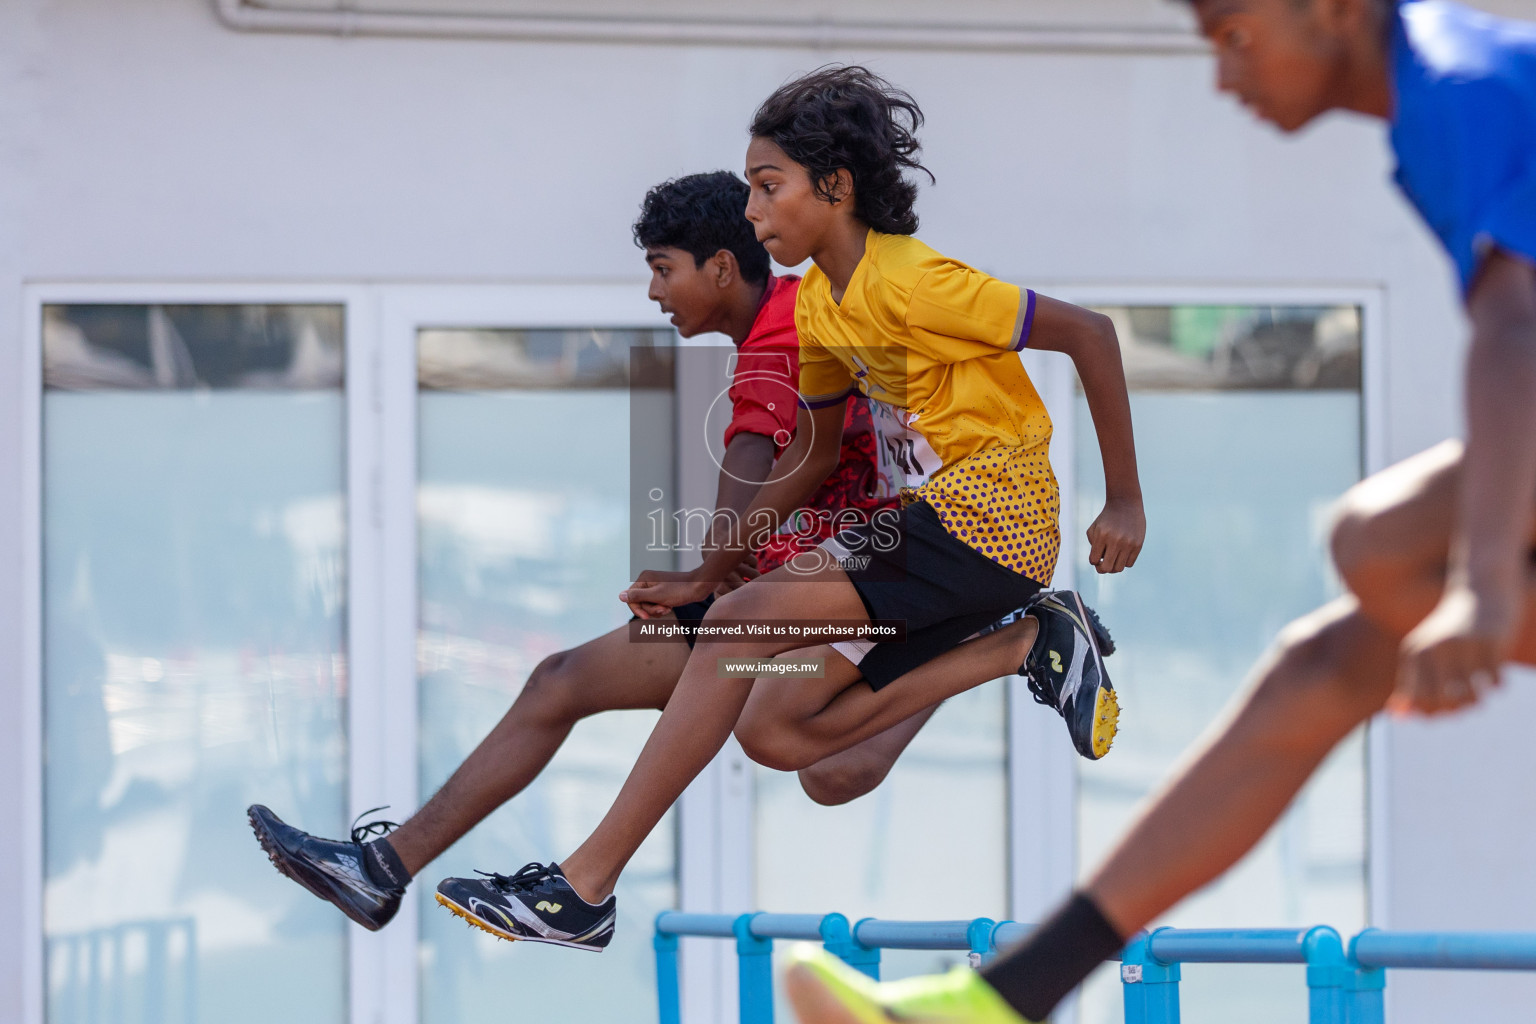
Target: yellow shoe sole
1106 725
474 922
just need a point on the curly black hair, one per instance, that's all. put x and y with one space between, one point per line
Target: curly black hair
702 214
846 117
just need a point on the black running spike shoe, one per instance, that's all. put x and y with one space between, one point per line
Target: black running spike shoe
330 869
535 905
1065 670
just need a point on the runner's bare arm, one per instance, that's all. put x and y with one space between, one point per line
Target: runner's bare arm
748 461
745 466
1089 339
808 461
743 471
1457 651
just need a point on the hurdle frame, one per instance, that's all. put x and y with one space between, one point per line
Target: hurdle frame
1346 982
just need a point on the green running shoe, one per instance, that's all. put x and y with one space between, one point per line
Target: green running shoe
824 990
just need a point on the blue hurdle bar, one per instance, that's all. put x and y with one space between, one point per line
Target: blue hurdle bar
858 945
1510 951
1345 983
1338 992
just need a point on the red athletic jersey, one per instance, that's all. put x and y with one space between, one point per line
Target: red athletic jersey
765 383
765 390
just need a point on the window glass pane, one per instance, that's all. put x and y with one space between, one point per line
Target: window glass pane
113 347
1241 459
1226 348
499 358
525 534
194 582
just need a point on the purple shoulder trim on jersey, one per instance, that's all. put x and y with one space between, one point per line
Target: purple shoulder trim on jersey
1026 319
822 401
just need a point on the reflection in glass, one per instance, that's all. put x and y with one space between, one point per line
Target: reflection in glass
145 348
524 537
941 813
1222 348
194 662
493 358
1240 468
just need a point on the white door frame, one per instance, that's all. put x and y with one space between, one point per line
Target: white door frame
703 860
381 325
362 627
716 813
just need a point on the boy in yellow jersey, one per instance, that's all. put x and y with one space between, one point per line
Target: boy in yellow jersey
934 342
937 344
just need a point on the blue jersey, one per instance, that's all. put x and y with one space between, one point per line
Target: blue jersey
1464 128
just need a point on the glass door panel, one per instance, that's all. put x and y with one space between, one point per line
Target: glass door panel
194 600
525 527
942 813
1248 429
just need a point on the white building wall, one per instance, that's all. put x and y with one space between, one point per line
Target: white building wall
149 142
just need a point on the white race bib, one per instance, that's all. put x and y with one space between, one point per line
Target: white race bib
905 457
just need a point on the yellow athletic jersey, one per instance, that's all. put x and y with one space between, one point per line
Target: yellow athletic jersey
934 345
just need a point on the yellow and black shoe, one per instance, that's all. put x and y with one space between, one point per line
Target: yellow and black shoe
1065 670
535 905
824 990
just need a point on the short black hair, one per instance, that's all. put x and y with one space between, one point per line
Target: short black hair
846 117
702 214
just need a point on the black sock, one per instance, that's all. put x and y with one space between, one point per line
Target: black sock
1055 959
384 866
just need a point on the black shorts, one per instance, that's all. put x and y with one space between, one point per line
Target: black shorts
692 613
943 589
